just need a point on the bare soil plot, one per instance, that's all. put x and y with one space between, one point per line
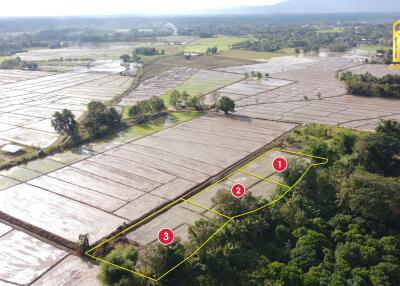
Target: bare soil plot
24 258
274 65
202 62
203 82
129 180
317 96
83 51
61 216
182 214
4 229
77 193
28 105
374 69
10 76
158 85
96 183
74 272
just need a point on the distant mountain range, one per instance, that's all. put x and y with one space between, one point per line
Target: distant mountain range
322 6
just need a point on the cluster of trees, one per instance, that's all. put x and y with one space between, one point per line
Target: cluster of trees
148 51
212 51
145 109
369 85
100 120
258 45
338 226
383 56
17 63
130 58
184 99
259 75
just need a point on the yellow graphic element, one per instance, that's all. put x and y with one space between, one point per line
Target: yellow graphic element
229 219
396 41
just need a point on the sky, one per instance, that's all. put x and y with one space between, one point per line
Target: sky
19 8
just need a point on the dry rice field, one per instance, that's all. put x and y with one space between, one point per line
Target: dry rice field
29 101
101 186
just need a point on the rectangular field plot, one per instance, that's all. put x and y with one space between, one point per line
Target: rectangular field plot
59 215
179 217
196 220
28 105
273 165
216 196
24 258
74 272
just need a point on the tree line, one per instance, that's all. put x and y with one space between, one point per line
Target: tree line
369 85
99 121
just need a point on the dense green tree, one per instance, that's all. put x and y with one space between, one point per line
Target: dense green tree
64 123
112 276
389 127
175 98
226 104
101 119
372 196
379 154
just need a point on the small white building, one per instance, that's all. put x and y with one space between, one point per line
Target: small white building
12 149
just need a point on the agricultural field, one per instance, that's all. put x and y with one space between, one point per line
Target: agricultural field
310 93
102 186
255 55
203 82
371 48
331 30
222 43
24 258
158 85
260 181
274 65
193 81
95 192
29 99
99 51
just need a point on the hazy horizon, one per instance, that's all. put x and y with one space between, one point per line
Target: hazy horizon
63 8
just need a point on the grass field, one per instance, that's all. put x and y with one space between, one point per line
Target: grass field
222 43
254 55
332 30
371 48
3 58
140 130
198 86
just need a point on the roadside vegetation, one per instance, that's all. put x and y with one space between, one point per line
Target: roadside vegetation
322 233
369 85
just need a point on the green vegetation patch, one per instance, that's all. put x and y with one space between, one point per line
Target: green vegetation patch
6 183
369 85
254 55
43 166
372 48
332 30
20 174
165 121
199 85
222 43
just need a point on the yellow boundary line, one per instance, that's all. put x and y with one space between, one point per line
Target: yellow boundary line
289 188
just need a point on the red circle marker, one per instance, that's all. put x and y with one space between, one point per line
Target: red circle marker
166 236
238 190
279 164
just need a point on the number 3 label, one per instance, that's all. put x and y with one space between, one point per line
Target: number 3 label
166 236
